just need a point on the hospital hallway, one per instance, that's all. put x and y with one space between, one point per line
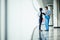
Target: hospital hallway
19 20
52 34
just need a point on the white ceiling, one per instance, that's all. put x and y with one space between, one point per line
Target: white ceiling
45 2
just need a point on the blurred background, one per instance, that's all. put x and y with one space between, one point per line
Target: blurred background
18 18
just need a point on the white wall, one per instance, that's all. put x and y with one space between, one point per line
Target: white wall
2 19
21 19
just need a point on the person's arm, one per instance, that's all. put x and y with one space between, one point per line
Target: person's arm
49 13
43 13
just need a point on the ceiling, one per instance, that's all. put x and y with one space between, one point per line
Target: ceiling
45 2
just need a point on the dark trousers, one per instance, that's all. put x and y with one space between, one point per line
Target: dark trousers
40 22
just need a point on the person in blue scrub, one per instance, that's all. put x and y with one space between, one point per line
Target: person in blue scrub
47 17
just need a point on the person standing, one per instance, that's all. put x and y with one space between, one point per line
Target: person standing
47 17
40 17
40 22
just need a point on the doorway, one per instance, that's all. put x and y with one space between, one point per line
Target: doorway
50 6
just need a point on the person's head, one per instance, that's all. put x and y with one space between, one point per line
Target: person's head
40 9
46 8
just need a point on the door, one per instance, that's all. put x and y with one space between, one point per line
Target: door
51 16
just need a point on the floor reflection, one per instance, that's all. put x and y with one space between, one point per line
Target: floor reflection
56 33
52 34
44 35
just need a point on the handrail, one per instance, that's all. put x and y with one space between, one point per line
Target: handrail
33 33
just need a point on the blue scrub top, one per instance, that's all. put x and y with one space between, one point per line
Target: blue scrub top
47 14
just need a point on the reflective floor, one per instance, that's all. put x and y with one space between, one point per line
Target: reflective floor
52 34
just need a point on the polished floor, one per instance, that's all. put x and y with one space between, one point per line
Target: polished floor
52 34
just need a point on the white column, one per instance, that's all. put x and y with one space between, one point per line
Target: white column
55 18
55 13
2 19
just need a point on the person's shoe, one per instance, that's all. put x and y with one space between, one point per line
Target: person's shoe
40 30
46 30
